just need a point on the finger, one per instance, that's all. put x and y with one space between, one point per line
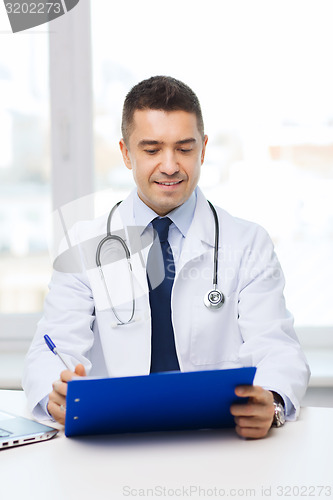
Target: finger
80 370
256 393
253 416
57 398
253 410
252 432
243 410
251 421
250 391
60 387
250 408
66 375
58 412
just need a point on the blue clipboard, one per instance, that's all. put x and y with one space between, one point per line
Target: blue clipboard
166 401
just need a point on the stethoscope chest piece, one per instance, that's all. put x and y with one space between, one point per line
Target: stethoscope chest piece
214 299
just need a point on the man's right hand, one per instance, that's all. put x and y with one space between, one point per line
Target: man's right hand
57 398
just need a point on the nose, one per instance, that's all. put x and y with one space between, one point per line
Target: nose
169 165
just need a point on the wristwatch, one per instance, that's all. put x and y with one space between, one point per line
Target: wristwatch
279 413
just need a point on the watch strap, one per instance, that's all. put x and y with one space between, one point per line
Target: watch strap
279 410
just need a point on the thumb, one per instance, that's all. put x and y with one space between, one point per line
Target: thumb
80 370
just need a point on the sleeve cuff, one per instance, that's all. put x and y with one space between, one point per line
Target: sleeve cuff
40 411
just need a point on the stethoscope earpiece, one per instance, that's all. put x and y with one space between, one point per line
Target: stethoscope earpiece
214 299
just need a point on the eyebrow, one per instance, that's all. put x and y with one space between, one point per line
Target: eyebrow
148 142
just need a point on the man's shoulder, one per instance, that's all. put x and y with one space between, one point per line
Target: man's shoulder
232 228
90 228
239 227
233 220
97 226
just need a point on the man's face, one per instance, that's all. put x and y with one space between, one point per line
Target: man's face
165 151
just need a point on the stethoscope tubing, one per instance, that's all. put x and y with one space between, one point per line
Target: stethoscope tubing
216 243
114 237
109 236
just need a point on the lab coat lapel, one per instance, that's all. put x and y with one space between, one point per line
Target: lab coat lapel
201 234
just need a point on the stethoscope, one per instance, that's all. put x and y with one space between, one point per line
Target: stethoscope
213 299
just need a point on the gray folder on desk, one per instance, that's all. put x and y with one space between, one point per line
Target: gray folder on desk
156 402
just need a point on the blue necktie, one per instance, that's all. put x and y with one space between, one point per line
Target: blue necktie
161 273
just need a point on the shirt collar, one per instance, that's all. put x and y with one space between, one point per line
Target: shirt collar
181 216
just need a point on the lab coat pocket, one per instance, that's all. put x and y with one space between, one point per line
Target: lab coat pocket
215 337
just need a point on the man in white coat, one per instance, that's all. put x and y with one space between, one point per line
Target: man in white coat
98 330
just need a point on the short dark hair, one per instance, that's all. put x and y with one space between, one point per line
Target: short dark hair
162 93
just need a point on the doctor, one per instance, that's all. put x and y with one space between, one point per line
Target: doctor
164 145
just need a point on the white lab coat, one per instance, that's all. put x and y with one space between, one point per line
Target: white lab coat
253 327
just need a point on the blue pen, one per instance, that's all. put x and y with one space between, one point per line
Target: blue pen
53 348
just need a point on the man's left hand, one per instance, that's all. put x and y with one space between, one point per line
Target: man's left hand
253 419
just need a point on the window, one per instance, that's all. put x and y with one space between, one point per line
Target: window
264 82
39 71
24 172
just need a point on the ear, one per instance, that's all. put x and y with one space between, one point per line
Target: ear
203 151
126 154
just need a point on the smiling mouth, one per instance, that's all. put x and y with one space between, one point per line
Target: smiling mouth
168 183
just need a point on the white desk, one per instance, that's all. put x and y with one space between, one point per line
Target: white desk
298 455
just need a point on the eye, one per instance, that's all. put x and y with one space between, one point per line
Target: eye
184 150
151 151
